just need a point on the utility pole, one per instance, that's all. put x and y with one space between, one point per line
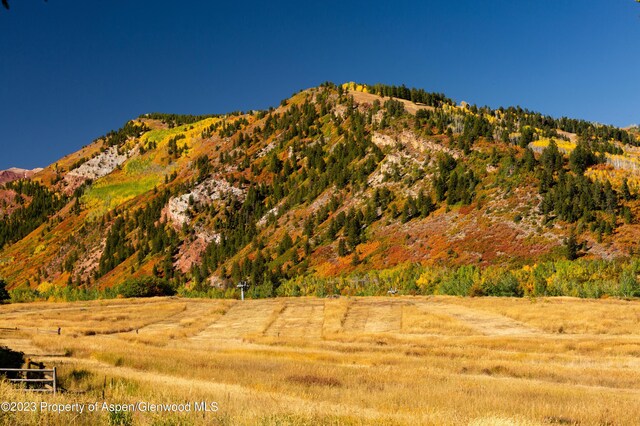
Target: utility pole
243 286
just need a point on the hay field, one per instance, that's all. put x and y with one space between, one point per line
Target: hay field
395 360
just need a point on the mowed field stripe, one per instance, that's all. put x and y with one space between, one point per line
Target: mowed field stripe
487 323
299 321
241 320
383 317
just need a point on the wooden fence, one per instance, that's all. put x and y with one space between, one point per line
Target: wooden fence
34 379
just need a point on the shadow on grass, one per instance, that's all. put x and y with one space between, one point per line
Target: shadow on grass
10 359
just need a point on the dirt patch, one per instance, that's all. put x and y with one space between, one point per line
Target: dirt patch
571 136
369 98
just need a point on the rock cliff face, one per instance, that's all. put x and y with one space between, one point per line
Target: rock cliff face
100 165
202 194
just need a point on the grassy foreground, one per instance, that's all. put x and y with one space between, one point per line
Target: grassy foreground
405 360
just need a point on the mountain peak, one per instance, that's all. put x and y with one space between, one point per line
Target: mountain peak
15 173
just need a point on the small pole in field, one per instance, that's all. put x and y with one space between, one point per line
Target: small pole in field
243 286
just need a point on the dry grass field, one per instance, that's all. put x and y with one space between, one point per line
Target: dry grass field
402 360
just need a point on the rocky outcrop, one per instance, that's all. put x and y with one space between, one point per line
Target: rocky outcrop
204 193
100 165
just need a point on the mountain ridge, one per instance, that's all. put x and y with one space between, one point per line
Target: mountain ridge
15 173
336 180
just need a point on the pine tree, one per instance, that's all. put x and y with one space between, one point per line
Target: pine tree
355 260
526 136
571 246
285 244
626 215
581 158
626 193
551 158
528 160
308 226
342 248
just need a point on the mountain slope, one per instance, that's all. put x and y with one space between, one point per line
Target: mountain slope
336 180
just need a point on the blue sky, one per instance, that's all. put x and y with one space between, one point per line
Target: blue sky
72 70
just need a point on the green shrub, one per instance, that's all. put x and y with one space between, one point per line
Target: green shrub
146 287
629 286
504 285
459 281
23 295
120 418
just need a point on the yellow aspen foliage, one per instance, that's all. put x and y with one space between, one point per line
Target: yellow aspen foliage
526 279
428 280
44 287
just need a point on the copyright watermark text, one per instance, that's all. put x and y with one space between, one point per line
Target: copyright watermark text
102 406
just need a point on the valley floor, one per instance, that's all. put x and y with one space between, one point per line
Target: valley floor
395 360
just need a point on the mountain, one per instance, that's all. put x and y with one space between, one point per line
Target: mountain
15 173
336 181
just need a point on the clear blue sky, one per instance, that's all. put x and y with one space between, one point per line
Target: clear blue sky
72 70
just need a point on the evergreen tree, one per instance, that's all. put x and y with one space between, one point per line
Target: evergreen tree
526 136
529 160
626 193
309 225
285 244
551 158
571 246
581 158
342 248
355 260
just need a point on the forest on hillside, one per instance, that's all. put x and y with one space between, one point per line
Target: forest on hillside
323 194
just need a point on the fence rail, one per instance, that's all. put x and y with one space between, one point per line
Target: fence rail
39 376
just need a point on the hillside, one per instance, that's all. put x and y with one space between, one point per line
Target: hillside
336 182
